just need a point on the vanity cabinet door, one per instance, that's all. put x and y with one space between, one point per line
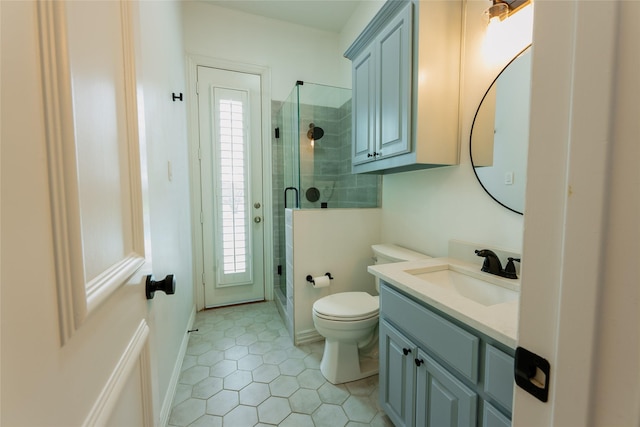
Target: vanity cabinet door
441 399
491 417
397 375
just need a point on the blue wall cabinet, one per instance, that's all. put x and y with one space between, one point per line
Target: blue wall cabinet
436 371
402 122
381 92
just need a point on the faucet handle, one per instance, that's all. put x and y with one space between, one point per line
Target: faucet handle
510 269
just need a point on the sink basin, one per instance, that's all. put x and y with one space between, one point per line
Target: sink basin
473 288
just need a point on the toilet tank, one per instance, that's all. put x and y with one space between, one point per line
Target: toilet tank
388 253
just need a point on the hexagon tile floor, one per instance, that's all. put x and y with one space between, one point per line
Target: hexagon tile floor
242 369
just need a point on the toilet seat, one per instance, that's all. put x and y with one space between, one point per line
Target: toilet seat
347 306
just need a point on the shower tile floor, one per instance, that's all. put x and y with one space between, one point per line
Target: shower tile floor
242 369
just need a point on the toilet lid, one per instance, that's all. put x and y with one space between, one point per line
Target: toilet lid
347 305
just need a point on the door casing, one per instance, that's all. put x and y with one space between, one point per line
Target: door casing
193 61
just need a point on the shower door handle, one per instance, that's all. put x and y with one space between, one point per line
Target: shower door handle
295 190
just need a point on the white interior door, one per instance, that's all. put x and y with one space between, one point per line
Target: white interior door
229 109
72 219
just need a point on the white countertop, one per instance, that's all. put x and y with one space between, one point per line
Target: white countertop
498 321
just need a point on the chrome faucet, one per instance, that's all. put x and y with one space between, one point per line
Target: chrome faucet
492 264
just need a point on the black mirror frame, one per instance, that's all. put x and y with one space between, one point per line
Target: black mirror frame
474 122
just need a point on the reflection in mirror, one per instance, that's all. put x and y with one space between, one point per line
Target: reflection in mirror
500 134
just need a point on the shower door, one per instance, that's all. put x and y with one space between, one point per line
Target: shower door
288 167
229 108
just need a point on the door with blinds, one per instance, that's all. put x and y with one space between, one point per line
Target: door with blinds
229 109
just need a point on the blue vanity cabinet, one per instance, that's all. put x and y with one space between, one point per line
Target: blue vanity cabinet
435 371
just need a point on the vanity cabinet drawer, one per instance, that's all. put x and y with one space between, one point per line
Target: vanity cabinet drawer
498 376
455 346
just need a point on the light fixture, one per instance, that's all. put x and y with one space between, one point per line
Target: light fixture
502 9
498 11
504 37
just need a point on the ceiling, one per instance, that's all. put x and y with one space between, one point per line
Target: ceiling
326 15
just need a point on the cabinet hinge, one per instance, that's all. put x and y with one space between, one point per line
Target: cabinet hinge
197 88
201 217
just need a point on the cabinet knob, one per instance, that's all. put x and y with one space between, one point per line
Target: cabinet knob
418 362
369 155
406 351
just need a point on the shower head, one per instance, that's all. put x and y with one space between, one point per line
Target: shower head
315 133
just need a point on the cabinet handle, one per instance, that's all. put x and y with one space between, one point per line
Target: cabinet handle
419 362
369 155
406 351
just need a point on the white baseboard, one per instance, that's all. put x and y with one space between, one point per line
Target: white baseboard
175 376
307 337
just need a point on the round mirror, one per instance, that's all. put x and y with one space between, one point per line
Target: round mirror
500 134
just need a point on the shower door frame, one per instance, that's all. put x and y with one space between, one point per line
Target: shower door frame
289 131
193 61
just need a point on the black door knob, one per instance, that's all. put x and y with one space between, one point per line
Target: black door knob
419 362
166 285
406 351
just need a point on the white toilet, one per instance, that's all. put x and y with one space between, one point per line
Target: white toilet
349 323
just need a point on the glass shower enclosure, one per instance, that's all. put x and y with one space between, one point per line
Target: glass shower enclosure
312 162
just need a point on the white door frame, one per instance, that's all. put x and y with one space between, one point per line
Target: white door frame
573 58
193 61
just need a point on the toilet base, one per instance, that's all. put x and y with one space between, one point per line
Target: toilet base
342 362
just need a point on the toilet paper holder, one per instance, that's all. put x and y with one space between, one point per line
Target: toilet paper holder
310 278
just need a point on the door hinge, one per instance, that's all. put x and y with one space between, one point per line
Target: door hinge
201 218
197 88
203 279
199 153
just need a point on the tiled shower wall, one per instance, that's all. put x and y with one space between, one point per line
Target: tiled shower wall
327 165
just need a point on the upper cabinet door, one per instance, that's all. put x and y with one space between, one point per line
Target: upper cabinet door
364 107
394 85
